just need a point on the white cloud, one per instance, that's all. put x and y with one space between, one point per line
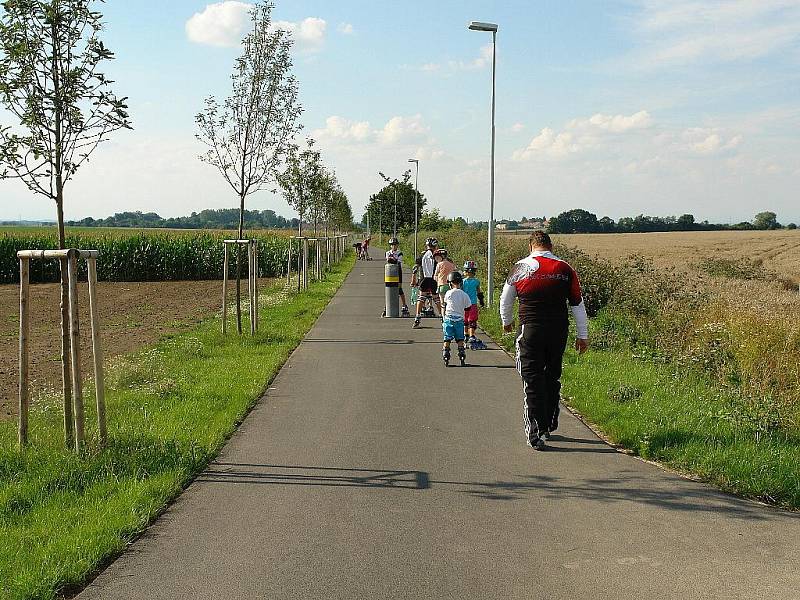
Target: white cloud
398 130
346 28
309 34
682 32
220 24
428 153
701 140
403 129
614 123
224 24
582 134
483 60
517 127
549 143
339 128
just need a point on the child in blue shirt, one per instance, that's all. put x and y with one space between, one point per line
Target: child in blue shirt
472 286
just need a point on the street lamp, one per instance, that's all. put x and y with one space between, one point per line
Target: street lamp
416 205
394 232
479 26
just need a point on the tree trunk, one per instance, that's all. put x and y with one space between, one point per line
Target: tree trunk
57 166
66 365
239 267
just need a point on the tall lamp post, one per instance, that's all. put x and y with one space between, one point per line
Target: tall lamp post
478 26
394 229
416 205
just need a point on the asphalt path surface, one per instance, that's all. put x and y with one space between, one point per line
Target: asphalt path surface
368 470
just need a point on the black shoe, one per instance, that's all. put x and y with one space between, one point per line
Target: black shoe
546 435
446 357
536 443
462 356
405 312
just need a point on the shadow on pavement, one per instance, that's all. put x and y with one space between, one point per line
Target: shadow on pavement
220 472
628 487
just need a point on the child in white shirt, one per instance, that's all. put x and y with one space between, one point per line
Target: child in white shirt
456 302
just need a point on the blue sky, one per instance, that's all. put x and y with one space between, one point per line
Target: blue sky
621 108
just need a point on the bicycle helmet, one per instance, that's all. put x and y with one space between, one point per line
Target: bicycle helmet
441 252
393 241
431 242
470 266
455 277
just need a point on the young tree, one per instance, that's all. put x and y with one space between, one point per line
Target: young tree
299 180
341 212
50 80
249 133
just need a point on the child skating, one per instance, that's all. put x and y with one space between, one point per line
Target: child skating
472 287
444 266
456 302
393 254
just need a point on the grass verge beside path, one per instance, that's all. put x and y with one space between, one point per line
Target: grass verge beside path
171 408
682 421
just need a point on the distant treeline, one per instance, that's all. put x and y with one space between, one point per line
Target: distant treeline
582 221
226 218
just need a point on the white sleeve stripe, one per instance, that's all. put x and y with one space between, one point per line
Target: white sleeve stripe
507 304
581 320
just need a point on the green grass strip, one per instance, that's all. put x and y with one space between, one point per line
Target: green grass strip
171 408
679 419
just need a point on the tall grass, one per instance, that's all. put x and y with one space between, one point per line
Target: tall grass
140 255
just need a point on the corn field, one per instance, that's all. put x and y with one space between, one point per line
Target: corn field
141 255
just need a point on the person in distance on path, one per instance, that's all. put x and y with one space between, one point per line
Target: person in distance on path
427 285
394 254
544 284
456 303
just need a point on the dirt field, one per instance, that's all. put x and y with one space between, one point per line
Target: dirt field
132 315
778 251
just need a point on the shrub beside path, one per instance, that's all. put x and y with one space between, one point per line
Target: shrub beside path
351 479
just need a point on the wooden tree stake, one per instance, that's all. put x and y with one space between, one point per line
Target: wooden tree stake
24 331
255 281
75 352
97 352
225 291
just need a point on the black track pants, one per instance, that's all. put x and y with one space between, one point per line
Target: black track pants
540 351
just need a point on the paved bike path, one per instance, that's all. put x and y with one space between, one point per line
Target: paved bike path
368 470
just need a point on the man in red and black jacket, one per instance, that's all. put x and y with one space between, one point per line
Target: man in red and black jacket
545 285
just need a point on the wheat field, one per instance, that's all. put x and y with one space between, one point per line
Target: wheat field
776 251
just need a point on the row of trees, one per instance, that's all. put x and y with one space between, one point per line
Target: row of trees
582 221
314 192
53 86
224 218
250 136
